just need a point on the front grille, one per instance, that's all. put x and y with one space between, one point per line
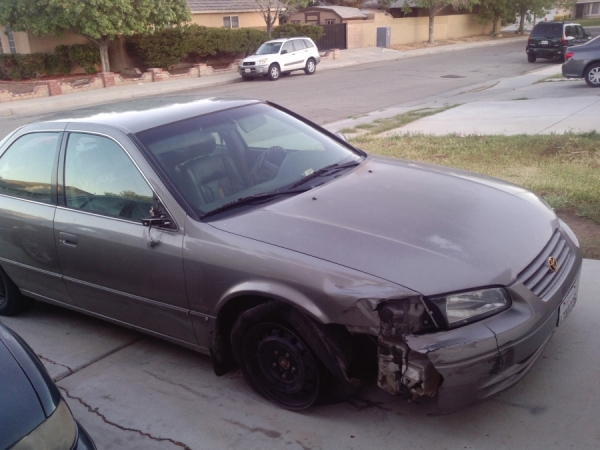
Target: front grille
249 63
538 277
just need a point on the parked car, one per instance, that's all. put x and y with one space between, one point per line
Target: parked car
583 61
281 57
241 230
550 40
33 414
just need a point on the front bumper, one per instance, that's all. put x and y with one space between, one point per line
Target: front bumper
253 71
462 366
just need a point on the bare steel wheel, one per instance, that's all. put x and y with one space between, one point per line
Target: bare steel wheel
311 67
592 75
274 72
280 366
11 300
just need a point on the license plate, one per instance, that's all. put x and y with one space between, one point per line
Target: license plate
544 42
247 70
567 304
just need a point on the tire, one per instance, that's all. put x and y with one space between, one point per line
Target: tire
280 366
274 72
531 57
592 75
311 66
12 302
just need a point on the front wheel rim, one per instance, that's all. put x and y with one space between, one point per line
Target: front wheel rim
311 66
594 75
274 72
282 366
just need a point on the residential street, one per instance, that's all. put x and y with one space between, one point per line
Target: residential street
134 392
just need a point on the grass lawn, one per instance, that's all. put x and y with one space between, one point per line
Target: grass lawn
563 169
587 22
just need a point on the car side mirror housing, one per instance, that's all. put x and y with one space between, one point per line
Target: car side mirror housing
283 52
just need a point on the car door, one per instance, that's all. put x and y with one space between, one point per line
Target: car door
580 36
290 58
113 265
28 163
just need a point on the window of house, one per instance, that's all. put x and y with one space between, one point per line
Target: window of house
595 7
231 21
329 21
26 167
11 40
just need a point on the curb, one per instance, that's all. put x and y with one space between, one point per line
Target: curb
21 107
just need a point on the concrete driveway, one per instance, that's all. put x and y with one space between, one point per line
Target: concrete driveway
131 391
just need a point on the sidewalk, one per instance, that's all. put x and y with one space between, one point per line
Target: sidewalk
93 97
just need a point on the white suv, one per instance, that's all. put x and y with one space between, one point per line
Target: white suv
280 57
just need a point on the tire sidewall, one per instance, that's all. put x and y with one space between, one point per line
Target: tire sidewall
274 72
587 75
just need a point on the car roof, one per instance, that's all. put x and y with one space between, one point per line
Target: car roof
133 116
287 39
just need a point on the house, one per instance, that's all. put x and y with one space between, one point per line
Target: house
229 13
209 13
585 9
326 15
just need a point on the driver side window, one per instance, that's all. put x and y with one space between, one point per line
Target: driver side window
101 178
287 47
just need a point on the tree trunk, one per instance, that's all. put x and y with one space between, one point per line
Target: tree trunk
103 46
522 12
495 25
431 20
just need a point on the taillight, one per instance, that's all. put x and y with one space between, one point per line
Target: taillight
563 41
528 41
569 55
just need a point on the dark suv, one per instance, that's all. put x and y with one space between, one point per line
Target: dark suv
550 39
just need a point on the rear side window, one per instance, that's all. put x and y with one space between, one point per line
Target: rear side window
299 44
26 167
308 43
550 30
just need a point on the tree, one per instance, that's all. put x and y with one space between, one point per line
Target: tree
527 9
99 21
495 10
271 10
434 7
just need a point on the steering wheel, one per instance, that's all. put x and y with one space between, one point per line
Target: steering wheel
263 169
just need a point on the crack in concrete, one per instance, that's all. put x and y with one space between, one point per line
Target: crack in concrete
120 427
273 434
56 363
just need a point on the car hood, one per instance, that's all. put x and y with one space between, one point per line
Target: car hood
431 229
257 57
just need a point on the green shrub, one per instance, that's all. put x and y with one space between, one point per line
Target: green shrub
86 56
162 49
59 62
9 68
32 65
297 29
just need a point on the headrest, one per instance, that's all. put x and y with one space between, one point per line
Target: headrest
205 145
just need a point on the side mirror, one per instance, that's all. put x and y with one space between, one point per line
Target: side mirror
283 52
160 221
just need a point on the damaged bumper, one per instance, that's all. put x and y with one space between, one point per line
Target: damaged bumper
462 366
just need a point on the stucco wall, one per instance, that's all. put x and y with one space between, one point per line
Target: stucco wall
411 30
47 43
246 19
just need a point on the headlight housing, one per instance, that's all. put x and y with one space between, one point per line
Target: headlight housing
455 310
262 61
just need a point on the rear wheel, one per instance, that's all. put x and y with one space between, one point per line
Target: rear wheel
274 72
592 75
531 57
311 67
11 300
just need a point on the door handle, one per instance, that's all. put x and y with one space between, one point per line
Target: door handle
67 239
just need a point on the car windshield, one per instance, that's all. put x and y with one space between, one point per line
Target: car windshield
269 48
548 30
219 158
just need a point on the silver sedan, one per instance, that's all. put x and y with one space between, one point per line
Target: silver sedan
243 231
583 61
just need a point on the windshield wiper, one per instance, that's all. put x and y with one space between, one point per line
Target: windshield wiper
327 170
256 198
